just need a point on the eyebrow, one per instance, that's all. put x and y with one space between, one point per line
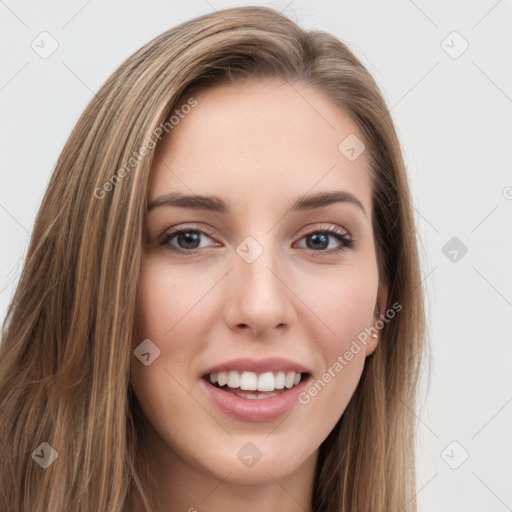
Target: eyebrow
217 205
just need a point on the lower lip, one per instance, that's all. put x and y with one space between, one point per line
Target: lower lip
256 410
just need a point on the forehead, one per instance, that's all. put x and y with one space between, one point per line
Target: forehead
261 141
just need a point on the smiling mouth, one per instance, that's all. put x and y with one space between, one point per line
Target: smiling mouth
255 386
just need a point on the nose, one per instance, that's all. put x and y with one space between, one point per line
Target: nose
259 297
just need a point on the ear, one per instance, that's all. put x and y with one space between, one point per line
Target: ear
376 327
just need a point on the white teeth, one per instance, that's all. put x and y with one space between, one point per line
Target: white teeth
253 396
233 380
222 378
266 382
250 381
290 378
280 378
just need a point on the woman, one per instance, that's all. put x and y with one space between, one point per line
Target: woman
221 306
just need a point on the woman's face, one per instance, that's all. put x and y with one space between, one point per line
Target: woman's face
262 286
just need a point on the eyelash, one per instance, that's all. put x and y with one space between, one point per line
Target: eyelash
344 239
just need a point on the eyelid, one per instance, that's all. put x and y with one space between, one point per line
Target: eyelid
313 228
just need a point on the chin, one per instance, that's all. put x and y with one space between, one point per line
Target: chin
253 460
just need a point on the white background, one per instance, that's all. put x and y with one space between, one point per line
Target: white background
454 119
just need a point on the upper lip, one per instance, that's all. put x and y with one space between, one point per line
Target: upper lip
269 364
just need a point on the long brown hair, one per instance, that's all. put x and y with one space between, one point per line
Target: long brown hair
67 338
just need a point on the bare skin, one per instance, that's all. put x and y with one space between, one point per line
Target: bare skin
258 147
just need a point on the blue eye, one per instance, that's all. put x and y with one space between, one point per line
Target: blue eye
320 240
188 241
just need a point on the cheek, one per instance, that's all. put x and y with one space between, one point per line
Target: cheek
160 298
169 307
345 302
166 316
349 310
346 305
170 313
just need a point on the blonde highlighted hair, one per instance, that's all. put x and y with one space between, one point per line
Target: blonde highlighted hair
67 338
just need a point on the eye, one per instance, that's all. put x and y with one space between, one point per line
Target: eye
320 240
187 240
